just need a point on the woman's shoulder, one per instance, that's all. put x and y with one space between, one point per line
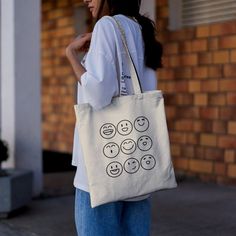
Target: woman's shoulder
105 22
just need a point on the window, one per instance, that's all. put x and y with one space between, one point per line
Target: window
195 12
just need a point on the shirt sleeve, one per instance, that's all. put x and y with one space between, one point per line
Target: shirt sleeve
99 83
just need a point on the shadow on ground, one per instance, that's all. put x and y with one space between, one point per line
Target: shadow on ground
192 209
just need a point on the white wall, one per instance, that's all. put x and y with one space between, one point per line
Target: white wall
21 85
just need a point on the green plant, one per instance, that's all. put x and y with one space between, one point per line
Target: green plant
4 156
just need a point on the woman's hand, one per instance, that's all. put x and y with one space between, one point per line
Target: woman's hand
80 43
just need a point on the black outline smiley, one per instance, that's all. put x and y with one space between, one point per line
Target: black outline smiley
137 122
143 159
112 144
139 140
119 170
127 151
127 162
124 132
110 130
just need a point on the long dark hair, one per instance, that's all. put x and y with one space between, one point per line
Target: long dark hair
153 48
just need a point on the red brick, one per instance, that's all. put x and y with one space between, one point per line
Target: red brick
203 31
200 99
223 28
233 56
187 151
231 170
194 86
232 127
215 154
184 125
192 138
229 156
171 48
225 141
175 150
181 163
227 42
217 99
230 70
213 44
215 71
209 86
219 127
205 58
220 57
177 137
199 45
185 46
200 72
188 60
188 112
201 166
166 74
209 112
208 140
183 73
231 98
219 168
227 85
227 113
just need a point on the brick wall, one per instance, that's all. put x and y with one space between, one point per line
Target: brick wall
58 80
199 82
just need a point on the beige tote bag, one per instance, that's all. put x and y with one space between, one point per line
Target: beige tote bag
126 144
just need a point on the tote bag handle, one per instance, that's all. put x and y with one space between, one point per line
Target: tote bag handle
133 72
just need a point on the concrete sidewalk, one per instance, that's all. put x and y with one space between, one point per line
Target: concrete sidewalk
192 209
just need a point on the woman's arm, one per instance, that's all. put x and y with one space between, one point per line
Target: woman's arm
80 44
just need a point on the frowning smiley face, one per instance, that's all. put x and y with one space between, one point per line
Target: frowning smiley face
128 146
148 162
108 130
131 165
144 143
114 169
111 150
124 127
141 123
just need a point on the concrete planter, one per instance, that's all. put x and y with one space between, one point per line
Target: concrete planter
15 190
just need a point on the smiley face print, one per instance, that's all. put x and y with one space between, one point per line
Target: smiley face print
111 150
108 130
148 162
131 165
141 123
124 127
128 146
144 143
114 169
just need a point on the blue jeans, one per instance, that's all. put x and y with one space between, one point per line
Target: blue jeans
117 219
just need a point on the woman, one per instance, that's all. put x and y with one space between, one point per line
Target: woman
105 61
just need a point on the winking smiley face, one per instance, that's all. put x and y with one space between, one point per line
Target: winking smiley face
131 165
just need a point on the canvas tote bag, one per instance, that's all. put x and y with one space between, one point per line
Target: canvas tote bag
125 145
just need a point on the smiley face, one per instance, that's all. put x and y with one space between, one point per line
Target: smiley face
141 123
108 130
148 162
124 127
114 169
144 143
111 150
131 165
128 146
